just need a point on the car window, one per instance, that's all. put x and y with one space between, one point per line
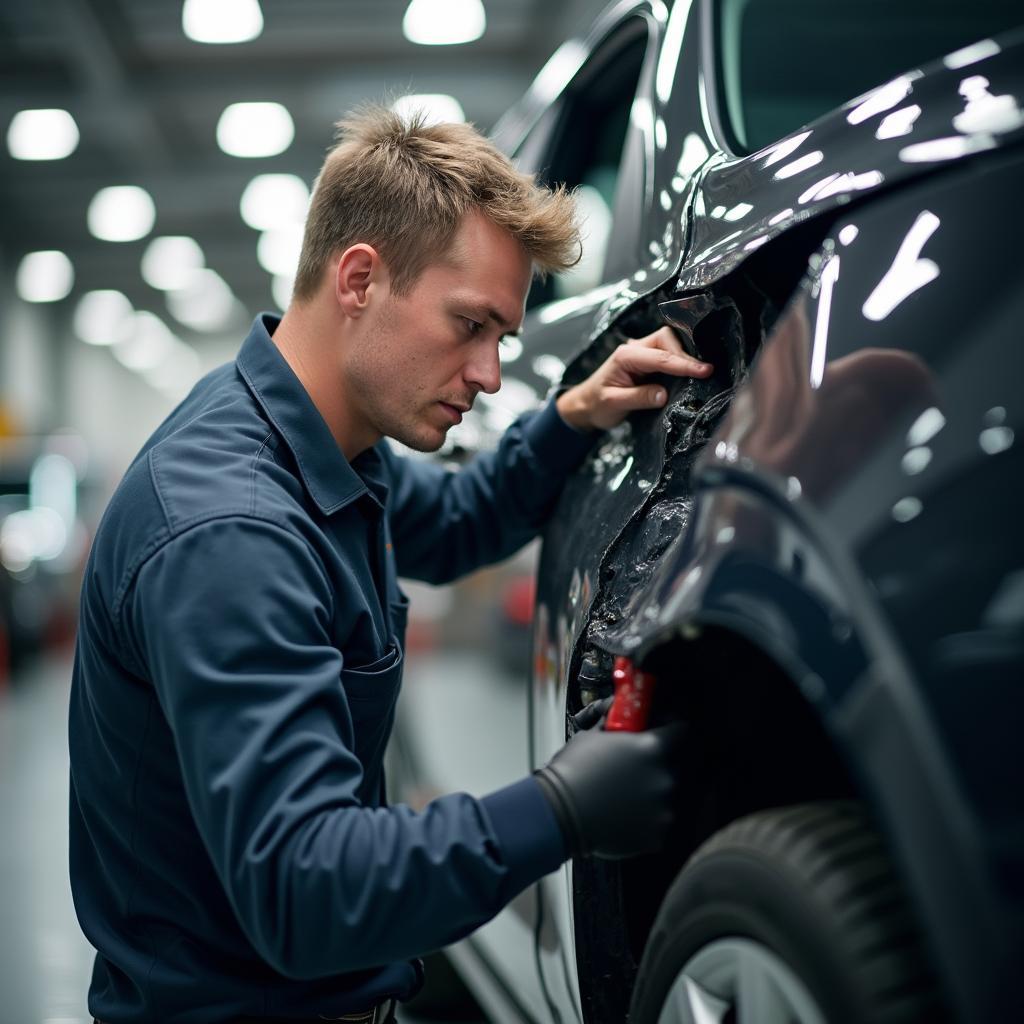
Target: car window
586 151
782 63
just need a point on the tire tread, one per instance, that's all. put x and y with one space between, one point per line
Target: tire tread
832 851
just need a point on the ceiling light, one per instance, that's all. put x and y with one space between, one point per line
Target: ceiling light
45 276
169 261
42 135
278 250
206 303
281 288
100 316
444 22
274 201
144 343
255 129
175 374
221 21
433 107
121 213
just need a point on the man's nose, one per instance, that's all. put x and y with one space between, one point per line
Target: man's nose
484 370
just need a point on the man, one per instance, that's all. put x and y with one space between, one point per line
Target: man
241 643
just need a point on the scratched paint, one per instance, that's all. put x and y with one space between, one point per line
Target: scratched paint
632 497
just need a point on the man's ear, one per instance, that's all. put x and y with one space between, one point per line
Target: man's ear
359 268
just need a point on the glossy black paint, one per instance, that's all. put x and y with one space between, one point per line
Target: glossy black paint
755 525
889 571
886 582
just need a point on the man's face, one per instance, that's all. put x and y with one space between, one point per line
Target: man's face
422 357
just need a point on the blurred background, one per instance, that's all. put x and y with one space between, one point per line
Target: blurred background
155 165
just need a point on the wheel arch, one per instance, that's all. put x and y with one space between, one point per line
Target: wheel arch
871 740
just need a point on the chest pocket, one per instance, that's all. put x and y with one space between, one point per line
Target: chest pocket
372 691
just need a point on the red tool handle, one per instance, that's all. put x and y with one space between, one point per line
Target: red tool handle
634 691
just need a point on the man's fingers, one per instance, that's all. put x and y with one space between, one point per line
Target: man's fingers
647 396
663 338
640 360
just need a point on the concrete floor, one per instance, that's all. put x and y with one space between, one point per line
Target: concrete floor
45 962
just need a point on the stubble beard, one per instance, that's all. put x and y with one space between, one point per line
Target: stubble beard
413 431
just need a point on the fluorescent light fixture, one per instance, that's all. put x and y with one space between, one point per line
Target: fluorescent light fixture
100 316
444 22
695 152
738 212
981 50
550 367
121 213
676 29
925 427
206 303
221 21
906 509
828 279
434 107
885 97
899 122
30 534
801 164
255 129
49 134
985 112
782 149
274 201
45 276
848 233
52 486
916 460
281 288
908 272
278 250
511 350
994 440
144 343
950 148
170 260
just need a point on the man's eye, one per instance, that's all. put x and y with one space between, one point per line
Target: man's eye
472 326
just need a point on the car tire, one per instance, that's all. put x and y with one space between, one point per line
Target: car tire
791 914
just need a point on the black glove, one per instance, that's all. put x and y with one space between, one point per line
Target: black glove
592 714
612 791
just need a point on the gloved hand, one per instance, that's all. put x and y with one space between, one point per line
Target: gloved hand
612 791
592 714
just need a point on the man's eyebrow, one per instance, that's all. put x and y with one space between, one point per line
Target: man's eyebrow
503 323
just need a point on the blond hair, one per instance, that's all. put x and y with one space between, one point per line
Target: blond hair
403 185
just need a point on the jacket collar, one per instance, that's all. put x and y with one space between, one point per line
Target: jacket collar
329 478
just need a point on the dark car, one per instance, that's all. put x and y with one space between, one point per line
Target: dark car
817 553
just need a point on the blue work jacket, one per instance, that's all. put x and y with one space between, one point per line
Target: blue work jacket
238 661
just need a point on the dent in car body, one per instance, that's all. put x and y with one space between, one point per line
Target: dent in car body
634 487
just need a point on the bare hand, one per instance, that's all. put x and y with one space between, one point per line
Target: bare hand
619 385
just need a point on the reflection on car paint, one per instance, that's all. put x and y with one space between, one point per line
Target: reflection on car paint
838 144
908 272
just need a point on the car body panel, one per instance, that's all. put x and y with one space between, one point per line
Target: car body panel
752 505
948 110
824 509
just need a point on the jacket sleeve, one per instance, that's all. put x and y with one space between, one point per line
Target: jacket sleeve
446 523
232 621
